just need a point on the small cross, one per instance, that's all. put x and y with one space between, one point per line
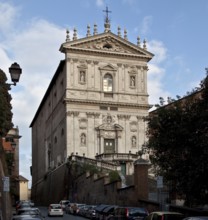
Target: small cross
107 11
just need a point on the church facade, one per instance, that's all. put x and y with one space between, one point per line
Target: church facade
95 104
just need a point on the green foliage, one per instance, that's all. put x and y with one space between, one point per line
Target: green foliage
91 168
5 106
114 176
79 169
178 137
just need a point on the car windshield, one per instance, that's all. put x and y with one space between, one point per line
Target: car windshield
172 217
137 212
55 206
28 212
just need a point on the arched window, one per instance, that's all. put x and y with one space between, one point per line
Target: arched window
108 83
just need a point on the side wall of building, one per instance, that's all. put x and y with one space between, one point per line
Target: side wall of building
24 190
49 131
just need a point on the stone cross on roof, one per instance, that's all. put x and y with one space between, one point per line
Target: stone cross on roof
107 20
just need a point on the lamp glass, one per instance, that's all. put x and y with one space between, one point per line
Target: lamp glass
15 72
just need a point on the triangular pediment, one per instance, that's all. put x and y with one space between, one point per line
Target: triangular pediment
106 43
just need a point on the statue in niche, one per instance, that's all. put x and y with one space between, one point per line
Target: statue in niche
133 141
132 81
82 76
83 139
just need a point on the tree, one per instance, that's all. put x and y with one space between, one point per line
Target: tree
178 140
5 106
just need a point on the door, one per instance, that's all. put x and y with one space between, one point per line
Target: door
123 169
109 146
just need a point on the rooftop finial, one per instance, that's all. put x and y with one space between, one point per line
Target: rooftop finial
67 35
75 34
88 30
95 29
144 44
107 20
119 31
138 41
125 34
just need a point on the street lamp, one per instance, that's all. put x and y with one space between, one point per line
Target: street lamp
15 72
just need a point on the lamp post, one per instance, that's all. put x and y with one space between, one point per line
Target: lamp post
15 72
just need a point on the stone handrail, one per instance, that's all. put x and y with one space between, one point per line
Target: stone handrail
118 156
98 163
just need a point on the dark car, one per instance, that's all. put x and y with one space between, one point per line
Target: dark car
129 213
99 211
108 211
26 217
196 218
29 211
165 215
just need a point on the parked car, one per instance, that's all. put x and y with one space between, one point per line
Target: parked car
84 210
79 206
108 211
55 210
196 218
64 203
26 217
91 213
68 208
129 213
29 211
23 204
165 215
74 208
99 211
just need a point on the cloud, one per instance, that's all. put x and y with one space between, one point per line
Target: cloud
8 16
146 25
156 71
99 3
35 49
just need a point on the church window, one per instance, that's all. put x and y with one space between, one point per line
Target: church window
55 140
108 83
49 155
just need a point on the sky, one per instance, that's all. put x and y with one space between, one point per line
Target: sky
32 31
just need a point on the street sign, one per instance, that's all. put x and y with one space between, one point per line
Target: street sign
6 184
159 182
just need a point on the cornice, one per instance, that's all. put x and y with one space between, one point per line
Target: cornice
107 53
119 104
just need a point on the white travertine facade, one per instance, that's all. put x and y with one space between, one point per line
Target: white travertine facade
95 103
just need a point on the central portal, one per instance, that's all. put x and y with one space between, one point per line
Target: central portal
109 146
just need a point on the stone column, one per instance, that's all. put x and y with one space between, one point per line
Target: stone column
141 178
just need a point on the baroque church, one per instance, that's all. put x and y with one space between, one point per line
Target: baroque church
95 104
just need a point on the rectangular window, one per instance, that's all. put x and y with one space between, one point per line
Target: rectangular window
108 95
103 107
114 108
